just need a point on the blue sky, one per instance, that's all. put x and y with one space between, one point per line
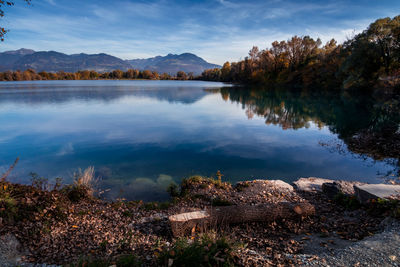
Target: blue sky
217 30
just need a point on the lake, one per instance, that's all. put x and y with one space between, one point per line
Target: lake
142 135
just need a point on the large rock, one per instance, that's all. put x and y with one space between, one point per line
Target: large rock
331 190
368 192
336 187
277 184
311 184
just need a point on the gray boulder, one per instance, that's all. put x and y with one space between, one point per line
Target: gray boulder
311 184
336 187
367 192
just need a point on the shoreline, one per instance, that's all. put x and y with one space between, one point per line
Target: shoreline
69 226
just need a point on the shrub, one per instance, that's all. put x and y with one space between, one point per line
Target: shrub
384 207
173 190
348 202
128 261
241 186
39 182
8 205
202 182
21 202
205 251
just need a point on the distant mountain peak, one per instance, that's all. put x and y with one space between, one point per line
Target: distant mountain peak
172 63
22 51
53 61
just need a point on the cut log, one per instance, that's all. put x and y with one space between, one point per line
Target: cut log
185 223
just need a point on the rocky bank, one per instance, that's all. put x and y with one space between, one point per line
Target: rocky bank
354 225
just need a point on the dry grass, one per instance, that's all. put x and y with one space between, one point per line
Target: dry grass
86 179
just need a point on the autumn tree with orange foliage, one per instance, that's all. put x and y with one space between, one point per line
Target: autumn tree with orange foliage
369 59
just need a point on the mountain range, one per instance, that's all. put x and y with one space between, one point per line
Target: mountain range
52 61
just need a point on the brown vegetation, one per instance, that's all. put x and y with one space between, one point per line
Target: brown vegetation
131 74
57 229
370 58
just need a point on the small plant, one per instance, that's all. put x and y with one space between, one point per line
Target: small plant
173 190
127 213
207 250
219 176
85 179
348 202
241 186
202 182
8 205
39 182
82 187
58 184
220 202
128 261
382 206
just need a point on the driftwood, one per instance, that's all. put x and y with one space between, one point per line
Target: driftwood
186 223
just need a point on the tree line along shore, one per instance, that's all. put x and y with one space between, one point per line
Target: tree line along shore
131 74
370 59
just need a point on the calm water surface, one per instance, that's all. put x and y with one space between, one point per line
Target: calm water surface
142 135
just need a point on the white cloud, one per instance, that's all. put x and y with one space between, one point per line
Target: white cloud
220 31
51 2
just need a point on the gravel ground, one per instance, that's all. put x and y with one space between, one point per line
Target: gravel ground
381 249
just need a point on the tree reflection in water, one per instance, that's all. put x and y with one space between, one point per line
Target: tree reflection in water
367 123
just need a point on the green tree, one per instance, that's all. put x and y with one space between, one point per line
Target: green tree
385 34
373 54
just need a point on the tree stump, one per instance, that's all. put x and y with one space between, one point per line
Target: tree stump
186 223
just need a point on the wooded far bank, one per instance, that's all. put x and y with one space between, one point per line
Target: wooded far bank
369 59
32 75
